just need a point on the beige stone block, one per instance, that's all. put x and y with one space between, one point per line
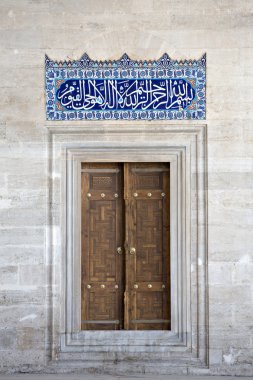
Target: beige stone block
22 78
24 198
234 237
24 296
27 37
230 181
2 131
230 294
23 166
215 356
248 133
22 58
33 150
22 359
228 112
22 316
17 15
231 199
220 273
21 255
226 131
246 56
18 236
23 217
22 101
28 338
243 273
225 149
243 315
240 164
225 338
230 96
230 254
20 182
24 131
8 275
7 338
226 210
220 315
31 275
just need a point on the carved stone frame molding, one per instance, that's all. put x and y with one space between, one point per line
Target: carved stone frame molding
186 345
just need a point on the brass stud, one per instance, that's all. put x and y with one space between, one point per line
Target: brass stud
119 250
136 286
149 194
116 286
163 194
149 286
102 195
88 195
132 251
116 195
163 286
102 286
89 286
135 195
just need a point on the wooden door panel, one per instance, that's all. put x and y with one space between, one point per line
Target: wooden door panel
102 310
147 230
141 218
102 265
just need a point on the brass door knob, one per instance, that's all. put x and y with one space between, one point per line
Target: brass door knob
132 251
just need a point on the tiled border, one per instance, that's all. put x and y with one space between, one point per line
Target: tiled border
193 71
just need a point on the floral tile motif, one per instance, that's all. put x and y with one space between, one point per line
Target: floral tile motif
126 89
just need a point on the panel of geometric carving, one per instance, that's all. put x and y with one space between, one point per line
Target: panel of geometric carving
102 240
147 213
125 276
102 275
149 239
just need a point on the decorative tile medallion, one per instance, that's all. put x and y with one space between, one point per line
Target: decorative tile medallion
126 89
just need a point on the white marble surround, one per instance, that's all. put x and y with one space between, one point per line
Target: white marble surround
185 149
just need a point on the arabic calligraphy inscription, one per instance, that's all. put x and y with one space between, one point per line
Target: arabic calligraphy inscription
125 89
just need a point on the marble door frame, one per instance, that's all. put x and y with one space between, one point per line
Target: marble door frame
184 146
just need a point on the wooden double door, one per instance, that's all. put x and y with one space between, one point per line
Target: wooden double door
125 246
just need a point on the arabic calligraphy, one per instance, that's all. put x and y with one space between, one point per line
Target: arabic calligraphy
126 89
125 94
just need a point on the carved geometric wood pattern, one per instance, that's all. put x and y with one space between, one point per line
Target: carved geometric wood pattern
148 181
147 197
102 233
111 280
102 230
149 239
101 182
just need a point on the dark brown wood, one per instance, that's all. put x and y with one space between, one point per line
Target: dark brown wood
147 297
102 265
142 299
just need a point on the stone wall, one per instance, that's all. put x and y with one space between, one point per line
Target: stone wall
105 29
